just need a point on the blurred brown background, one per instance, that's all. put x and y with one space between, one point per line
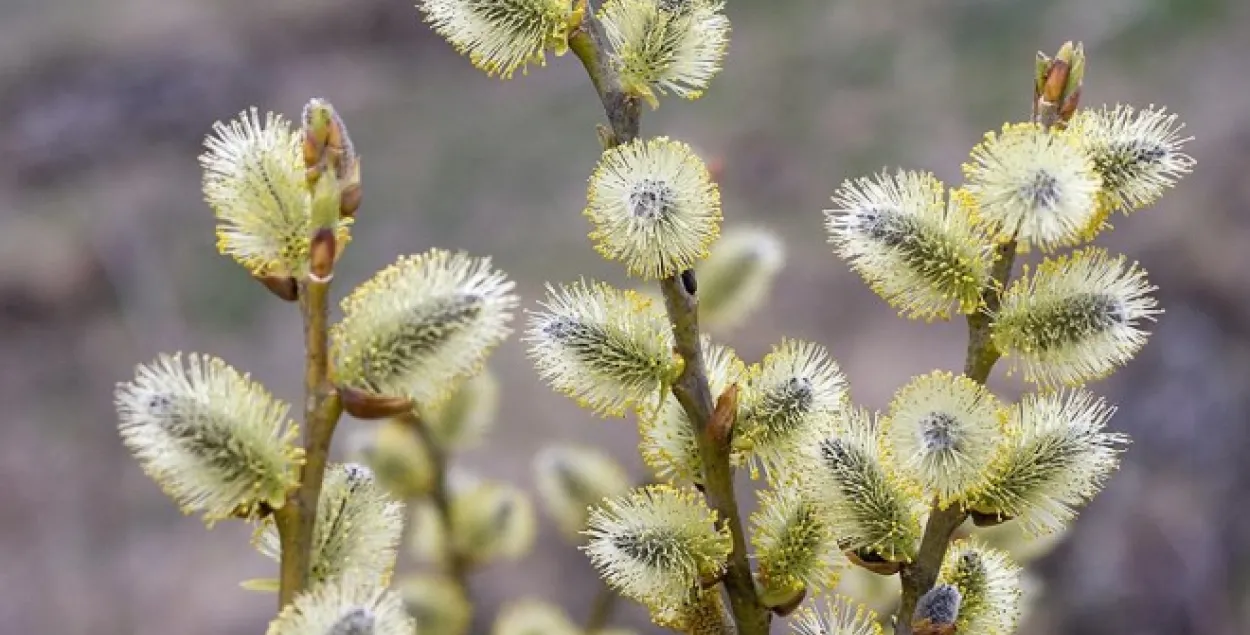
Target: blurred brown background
107 258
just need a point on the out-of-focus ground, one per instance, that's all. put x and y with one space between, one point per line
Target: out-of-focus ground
107 258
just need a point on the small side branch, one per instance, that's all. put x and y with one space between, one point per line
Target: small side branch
921 574
691 388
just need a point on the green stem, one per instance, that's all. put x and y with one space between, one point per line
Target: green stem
322 409
695 397
455 565
919 576
691 388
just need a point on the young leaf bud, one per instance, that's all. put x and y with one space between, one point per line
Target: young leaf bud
328 148
436 603
653 206
254 182
795 546
656 545
1057 460
401 463
609 349
867 508
502 36
737 276
989 588
421 324
790 402
668 442
344 606
571 479
838 616
533 617
1076 319
1138 153
357 530
936 611
920 252
214 440
460 422
944 431
664 46
1035 185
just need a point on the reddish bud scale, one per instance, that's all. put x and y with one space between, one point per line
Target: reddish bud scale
1056 80
873 562
1070 104
323 251
928 627
720 427
786 609
366 405
285 287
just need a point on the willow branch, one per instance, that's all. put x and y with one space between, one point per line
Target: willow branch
454 563
322 409
691 388
919 575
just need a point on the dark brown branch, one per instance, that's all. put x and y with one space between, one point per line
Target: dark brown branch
691 388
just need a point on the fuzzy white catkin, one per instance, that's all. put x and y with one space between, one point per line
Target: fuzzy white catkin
418 326
344 606
608 349
502 36
214 440
357 531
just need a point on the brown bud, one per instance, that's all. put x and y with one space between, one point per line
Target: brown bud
249 511
928 627
323 252
312 155
720 426
318 118
350 191
1056 80
689 282
716 168
284 287
789 607
366 405
327 145
1070 104
987 519
350 201
873 562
